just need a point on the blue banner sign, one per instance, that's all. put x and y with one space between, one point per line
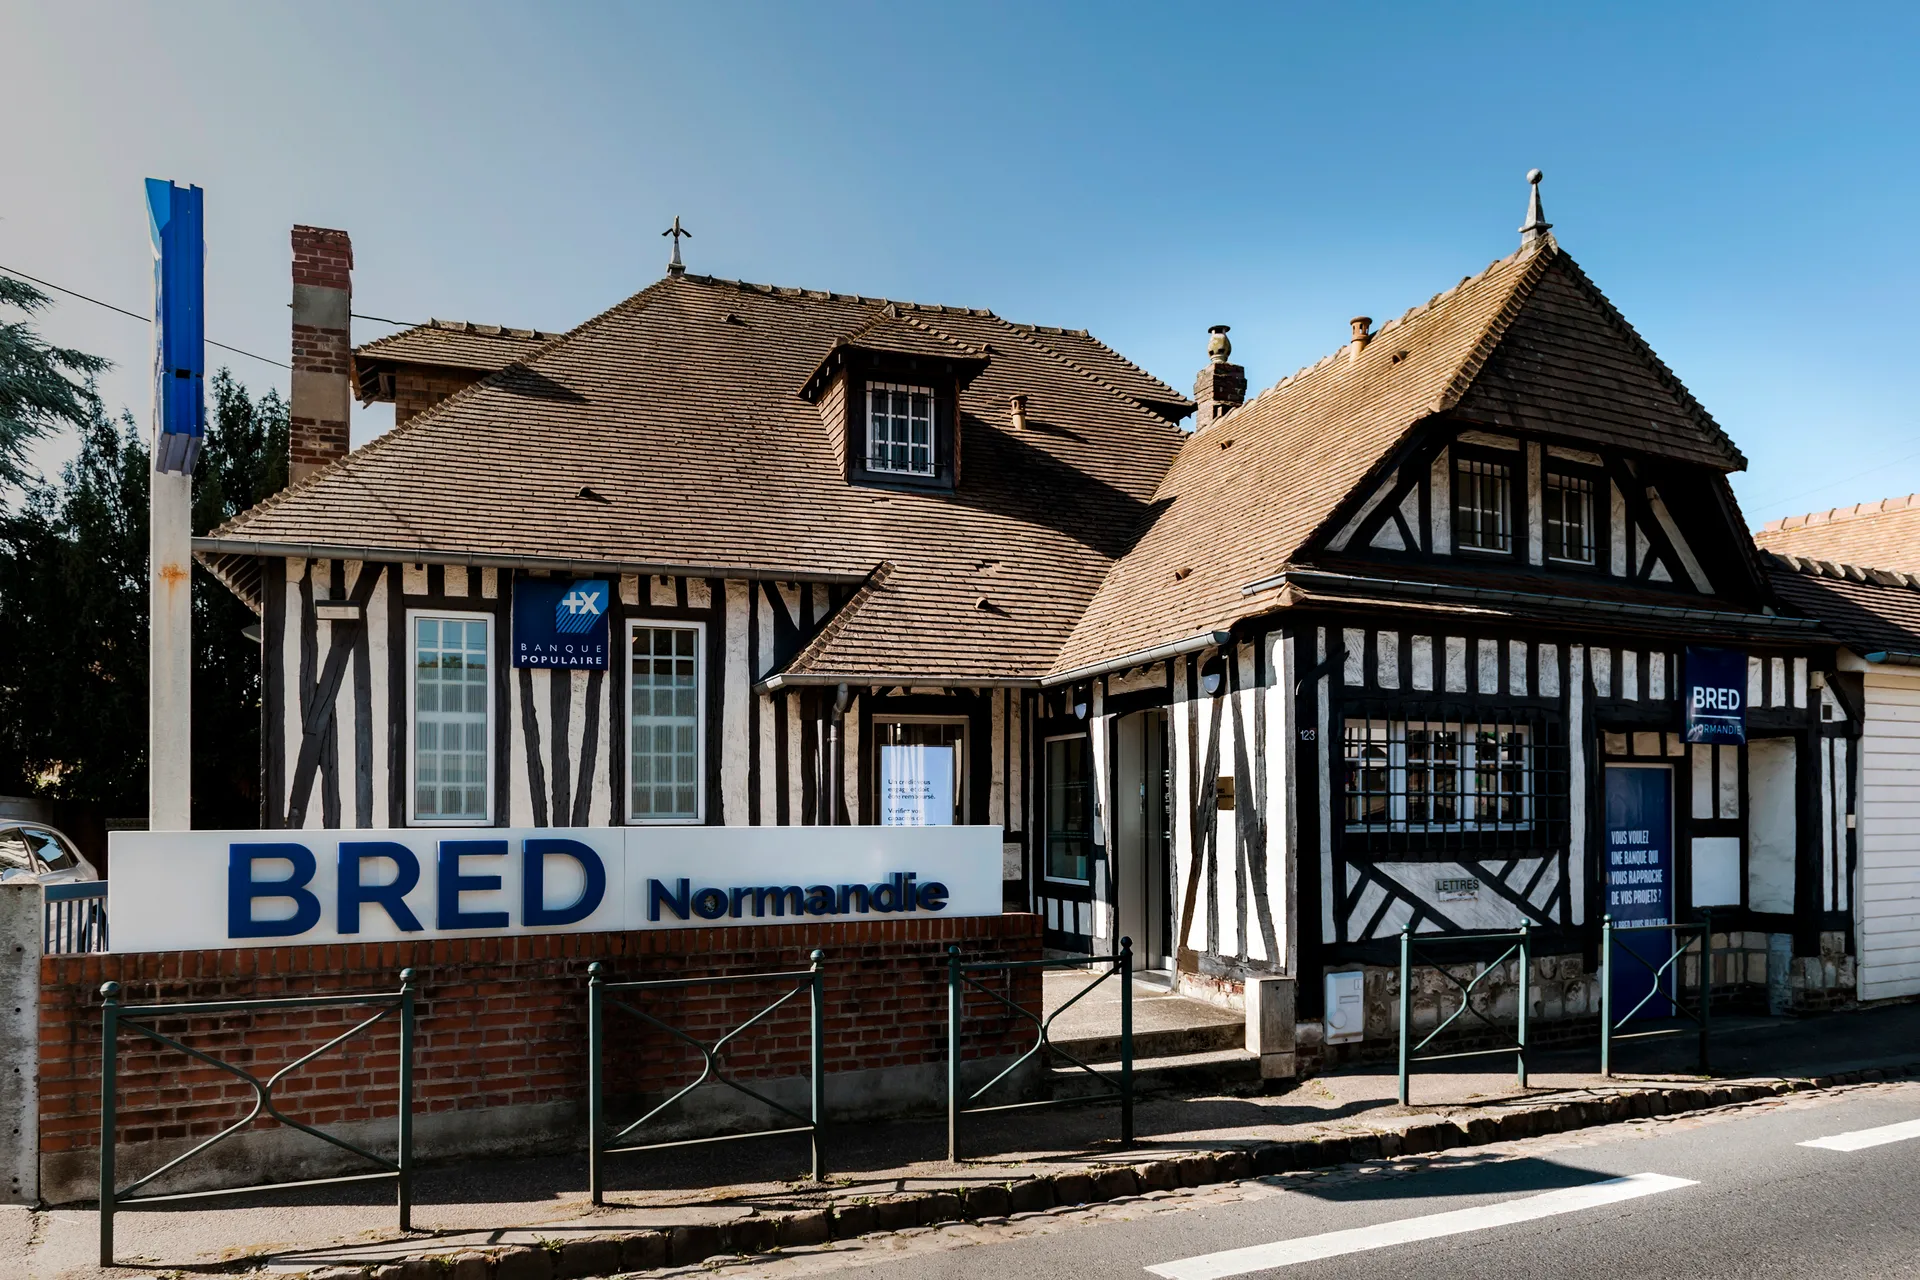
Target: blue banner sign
179 325
1716 692
1639 877
560 623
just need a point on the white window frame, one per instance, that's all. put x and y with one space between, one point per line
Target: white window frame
413 730
699 630
1584 485
1046 807
933 432
1467 769
960 771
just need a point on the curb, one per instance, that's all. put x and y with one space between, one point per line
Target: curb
682 1246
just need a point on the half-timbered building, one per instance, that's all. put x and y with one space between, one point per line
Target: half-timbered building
1857 569
1368 651
1408 620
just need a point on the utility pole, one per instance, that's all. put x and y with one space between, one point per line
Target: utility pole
179 426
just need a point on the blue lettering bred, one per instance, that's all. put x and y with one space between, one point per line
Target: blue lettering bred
391 898
242 889
534 911
453 884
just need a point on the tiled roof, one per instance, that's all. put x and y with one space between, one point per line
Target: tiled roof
1869 610
1527 343
893 332
1109 366
680 408
455 344
1885 534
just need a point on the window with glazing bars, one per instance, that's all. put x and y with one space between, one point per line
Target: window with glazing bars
1482 504
900 429
1568 500
450 705
663 778
1448 776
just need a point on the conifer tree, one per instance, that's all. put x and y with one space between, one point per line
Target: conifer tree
42 387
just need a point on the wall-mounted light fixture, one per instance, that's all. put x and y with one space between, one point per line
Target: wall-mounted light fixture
1212 675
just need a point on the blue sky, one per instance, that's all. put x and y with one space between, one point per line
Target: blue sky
1740 179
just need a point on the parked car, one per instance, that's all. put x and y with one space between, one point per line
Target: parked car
35 851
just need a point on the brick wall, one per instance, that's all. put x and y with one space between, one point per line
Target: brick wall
501 1021
322 257
417 389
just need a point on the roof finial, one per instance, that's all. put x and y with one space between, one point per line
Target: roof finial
676 267
1535 228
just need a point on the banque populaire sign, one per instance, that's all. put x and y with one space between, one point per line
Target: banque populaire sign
195 890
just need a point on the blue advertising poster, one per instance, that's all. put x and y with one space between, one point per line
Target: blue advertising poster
1639 881
1716 694
561 623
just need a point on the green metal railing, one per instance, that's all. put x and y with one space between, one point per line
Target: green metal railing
1683 937
960 978
116 1018
1410 1052
601 1143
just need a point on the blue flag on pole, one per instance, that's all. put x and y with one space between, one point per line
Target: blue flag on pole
179 325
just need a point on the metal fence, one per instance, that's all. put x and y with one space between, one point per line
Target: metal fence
1521 950
960 977
75 917
116 1018
1665 986
601 994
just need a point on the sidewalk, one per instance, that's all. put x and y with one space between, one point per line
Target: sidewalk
680 1206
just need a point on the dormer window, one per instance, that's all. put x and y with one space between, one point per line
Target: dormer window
1482 504
900 429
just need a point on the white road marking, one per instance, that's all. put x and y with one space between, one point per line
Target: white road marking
1862 1138
1287 1253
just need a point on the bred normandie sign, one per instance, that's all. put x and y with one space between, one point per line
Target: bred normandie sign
198 890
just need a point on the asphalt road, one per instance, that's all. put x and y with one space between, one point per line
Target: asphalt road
1735 1194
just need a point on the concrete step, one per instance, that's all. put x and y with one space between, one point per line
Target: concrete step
1219 1070
1160 1042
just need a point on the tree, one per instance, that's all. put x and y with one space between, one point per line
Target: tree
42 387
73 654
73 589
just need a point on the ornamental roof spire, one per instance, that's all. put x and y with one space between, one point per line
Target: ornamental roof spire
675 267
1534 230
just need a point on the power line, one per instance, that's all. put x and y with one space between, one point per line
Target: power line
403 324
1834 484
73 293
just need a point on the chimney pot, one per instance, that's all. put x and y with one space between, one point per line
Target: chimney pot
1221 387
1017 406
1362 326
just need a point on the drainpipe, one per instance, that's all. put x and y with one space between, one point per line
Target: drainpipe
842 697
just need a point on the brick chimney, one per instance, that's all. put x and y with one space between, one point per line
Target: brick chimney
322 349
1220 387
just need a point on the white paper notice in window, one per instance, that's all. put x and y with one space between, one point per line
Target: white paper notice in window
916 786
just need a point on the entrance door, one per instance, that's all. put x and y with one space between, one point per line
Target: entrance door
1639 882
1140 836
